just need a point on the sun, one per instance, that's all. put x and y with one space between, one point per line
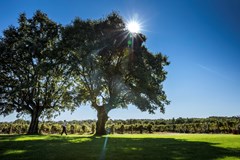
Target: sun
134 27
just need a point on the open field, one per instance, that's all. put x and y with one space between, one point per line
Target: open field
121 147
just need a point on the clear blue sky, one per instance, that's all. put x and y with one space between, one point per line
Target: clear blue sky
200 37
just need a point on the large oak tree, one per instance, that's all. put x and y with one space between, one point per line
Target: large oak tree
33 76
109 72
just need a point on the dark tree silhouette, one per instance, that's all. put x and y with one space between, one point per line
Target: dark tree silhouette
109 72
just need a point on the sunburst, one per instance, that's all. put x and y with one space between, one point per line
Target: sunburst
134 26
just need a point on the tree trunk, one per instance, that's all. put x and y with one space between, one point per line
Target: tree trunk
102 119
33 128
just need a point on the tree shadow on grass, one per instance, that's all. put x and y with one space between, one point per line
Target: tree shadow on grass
90 147
49 147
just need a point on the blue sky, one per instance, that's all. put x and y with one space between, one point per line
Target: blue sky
200 37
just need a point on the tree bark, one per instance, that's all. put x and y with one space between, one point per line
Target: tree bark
33 128
102 119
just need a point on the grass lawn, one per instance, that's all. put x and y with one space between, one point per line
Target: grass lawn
121 147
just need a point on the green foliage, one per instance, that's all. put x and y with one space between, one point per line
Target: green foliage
39 56
33 76
133 126
107 73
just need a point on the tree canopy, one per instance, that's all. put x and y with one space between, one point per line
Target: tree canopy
47 68
33 77
108 73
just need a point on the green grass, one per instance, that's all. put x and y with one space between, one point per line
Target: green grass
121 147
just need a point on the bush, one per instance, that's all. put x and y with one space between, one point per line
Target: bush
140 129
56 128
93 129
149 128
72 129
112 129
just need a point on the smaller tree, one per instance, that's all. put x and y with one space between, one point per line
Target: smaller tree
122 129
149 127
33 79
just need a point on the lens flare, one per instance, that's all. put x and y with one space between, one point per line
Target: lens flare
133 27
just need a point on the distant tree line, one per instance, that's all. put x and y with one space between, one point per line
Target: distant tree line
132 126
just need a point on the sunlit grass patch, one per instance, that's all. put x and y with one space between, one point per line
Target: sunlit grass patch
228 158
8 152
31 138
79 140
